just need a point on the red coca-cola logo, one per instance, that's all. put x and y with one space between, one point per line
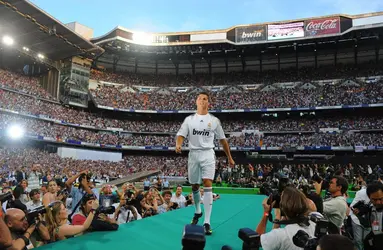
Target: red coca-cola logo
322 27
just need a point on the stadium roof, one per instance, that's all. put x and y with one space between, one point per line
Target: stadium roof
129 34
35 29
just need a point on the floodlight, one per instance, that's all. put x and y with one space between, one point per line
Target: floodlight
15 132
25 48
41 56
7 40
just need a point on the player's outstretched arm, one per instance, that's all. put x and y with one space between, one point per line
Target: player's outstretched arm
226 148
179 142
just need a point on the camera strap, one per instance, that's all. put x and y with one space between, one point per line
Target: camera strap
298 220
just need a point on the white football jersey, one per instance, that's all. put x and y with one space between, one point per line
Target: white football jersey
201 131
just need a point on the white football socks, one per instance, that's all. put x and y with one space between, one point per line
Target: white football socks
208 203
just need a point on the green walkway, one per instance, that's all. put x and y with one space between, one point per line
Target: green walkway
164 231
238 190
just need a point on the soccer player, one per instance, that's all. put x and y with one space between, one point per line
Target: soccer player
201 129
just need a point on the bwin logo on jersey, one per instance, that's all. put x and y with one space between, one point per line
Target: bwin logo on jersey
198 132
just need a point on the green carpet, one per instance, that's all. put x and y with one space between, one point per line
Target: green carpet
230 213
164 231
237 190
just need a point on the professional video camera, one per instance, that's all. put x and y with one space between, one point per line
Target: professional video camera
6 197
274 189
303 240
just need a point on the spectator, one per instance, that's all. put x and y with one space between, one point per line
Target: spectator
35 201
58 226
335 208
294 205
20 228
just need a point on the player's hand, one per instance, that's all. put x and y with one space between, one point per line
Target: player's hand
178 149
231 162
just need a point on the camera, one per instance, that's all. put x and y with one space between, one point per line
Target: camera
34 213
64 192
6 197
251 239
174 206
275 189
303 240
362 207
106 210
88 177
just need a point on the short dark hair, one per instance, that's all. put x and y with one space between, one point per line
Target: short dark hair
33 192
166 192
374 187
335 241
205 93
341 181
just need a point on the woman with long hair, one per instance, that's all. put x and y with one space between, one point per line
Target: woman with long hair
294 206
57 221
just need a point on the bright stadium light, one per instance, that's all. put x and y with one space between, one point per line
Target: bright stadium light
142 38
41 56
25 48
15 132
7 40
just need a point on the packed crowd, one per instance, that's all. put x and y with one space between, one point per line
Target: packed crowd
328 95
26 84
236 78
20 159
35 127
28 105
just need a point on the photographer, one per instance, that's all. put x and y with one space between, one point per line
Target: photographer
335 208
84 188
101 222
57 221
375 193
126 210
17 222
360 226
5 234
294 206
167 205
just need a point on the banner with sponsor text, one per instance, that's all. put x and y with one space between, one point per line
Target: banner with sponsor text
285 31
250 34
323 26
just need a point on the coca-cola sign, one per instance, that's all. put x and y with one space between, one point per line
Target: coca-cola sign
250 34
325 26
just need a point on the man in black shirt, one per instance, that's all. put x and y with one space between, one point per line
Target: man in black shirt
17 223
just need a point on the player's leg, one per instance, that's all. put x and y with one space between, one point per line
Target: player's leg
194 175
208 171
